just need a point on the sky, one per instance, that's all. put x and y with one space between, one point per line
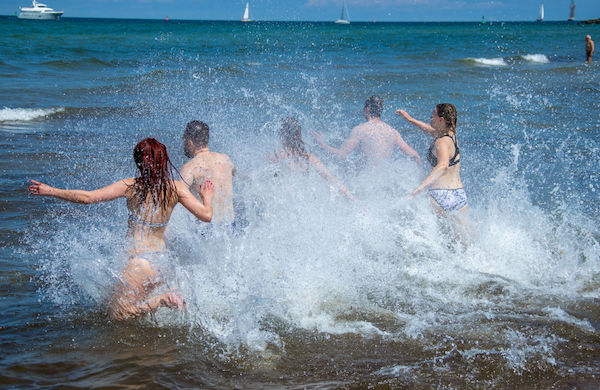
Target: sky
319 10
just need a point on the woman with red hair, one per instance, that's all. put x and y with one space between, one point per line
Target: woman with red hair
151 198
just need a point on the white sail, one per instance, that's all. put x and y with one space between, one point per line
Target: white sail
344 18
541 18
572 14
246 17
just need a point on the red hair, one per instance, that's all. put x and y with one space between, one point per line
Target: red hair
156 176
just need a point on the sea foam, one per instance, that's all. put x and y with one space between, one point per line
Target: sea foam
489 61
537 58
26 114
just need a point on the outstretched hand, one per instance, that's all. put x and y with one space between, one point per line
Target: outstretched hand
403 114
38 188
207 190
416 192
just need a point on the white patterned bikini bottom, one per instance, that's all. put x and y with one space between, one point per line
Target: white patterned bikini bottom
449 199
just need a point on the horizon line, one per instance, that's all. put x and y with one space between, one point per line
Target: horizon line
167 18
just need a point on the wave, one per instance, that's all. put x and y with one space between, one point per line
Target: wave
80 113
537 58
488 61
504 61
27 114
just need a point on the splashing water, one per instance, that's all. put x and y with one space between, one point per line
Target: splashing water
312 287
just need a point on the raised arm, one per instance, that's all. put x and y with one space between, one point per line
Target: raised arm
442 147
113 191
425 127
202 211
323 171
407 150
348 146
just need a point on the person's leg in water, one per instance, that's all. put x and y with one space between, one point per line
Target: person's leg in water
459 220
462 223
132 298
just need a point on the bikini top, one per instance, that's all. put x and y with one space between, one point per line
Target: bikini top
432 157
138 220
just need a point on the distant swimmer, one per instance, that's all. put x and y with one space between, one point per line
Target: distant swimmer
589 49
206 165
151 198
376 138
294 152
443 183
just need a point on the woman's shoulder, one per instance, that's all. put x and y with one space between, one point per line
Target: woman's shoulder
446 139
180 186
129 183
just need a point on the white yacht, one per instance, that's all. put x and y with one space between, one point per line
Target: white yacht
572 13
344 18
246 17
39 11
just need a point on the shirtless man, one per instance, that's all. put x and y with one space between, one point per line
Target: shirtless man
376 138
205 164
589 49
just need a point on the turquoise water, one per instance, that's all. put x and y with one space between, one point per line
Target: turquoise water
316 292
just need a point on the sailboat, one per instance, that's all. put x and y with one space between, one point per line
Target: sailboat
541 18
246 17
572 14
344 19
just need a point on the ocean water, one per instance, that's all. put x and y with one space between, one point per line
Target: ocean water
314 292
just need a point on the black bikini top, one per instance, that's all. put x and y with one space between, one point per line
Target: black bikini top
433 159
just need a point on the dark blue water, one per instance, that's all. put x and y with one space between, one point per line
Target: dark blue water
316 292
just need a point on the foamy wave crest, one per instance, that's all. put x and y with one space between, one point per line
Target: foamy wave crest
26 114
538 58
489 61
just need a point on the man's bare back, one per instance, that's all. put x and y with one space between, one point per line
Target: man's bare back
206 165
376 139
218 168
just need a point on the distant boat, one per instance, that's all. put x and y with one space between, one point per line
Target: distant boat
572 14
246 17
541 17
39 11
344 18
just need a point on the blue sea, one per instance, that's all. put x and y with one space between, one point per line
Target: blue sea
313 292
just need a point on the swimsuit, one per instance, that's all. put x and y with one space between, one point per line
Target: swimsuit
138 220
432 157
449 199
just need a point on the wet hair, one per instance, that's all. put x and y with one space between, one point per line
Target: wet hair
448 112
196 131
156 175
375 106
290 134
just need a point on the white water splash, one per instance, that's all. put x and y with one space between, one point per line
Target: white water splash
26 114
